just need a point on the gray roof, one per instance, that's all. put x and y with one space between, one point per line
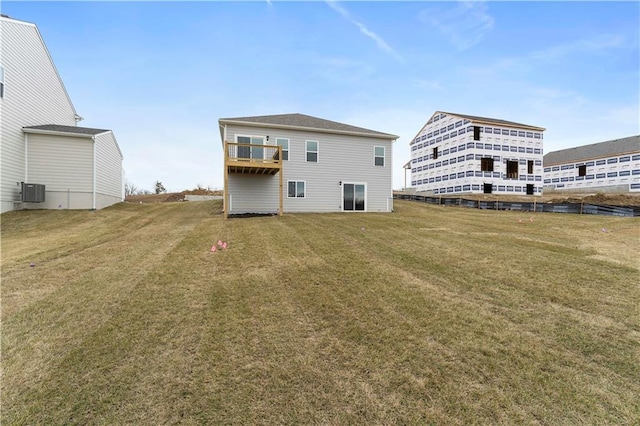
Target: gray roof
67 129
306 122
495 121
596 150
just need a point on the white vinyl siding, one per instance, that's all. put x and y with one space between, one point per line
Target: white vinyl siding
344 159
33 95
61 163
253 193
108 166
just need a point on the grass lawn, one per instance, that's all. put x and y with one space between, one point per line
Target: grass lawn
431 314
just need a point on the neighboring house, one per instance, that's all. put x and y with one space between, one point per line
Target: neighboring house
299 163
458 153
41 144
611 166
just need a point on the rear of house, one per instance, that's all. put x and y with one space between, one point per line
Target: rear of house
299 163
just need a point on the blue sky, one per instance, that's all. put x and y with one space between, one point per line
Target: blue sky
160 74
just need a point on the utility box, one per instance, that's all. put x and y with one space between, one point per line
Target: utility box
32 193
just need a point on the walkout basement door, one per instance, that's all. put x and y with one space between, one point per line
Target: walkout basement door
354 196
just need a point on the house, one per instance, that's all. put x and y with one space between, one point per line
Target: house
464 154
42 146
298 163
610 166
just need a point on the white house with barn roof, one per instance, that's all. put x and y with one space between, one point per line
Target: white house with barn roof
463 154
610 166
46 160
299 163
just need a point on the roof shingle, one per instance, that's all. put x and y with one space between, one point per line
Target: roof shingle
306 122
67 129
595 150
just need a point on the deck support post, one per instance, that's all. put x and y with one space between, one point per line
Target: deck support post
225 195
280 211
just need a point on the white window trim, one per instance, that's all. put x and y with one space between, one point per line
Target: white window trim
366 203
305 188
288 147
306 151
384 155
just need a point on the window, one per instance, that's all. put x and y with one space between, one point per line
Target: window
476 133
435 152
486 164
284 143
312 151
582 170
530 167
296 189
1 82
512 169
378 155
487 188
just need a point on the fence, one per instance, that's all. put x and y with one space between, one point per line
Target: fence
527 206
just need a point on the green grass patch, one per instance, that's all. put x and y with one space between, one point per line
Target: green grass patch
430 314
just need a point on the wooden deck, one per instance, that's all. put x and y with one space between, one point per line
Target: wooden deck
251 159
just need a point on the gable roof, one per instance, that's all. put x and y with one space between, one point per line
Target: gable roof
68 130
596 150
493 121
7 18
305 122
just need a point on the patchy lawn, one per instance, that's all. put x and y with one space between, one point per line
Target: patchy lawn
431 314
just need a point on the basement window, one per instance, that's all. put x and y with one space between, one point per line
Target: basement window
295 189
582 170
486 164
512 169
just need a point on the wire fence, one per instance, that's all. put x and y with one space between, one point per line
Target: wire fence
526 206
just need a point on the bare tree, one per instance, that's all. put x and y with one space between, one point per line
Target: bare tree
130 189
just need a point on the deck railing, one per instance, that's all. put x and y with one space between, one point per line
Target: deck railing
256 154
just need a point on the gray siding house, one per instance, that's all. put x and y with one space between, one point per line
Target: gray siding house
610 166
40 141
298 163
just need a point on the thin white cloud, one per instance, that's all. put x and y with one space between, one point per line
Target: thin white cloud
363 28
599 44
427 84
465 25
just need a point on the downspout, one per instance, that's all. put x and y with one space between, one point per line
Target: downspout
93 202
225 192
26 157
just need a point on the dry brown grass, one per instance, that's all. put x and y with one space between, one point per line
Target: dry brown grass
428 315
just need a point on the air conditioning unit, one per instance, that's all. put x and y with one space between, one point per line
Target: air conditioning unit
32 193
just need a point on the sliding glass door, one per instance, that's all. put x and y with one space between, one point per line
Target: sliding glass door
353 196
256 152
